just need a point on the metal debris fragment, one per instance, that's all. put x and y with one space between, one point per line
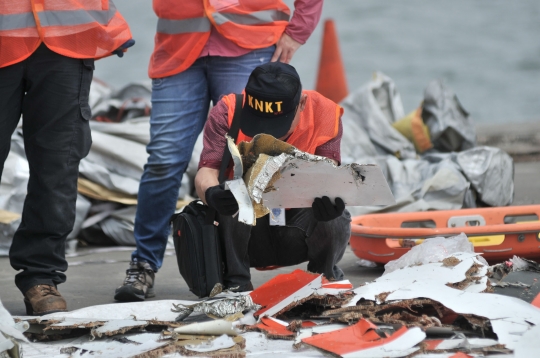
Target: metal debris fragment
219 307
211 328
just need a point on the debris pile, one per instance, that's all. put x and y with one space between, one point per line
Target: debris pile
442 308
429 158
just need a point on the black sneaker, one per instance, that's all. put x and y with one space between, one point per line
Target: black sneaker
138 284
240 288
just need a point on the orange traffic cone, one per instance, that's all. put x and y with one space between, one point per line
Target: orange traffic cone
331 81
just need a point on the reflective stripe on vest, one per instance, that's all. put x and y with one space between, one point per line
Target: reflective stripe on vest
57 18
17 21
76 17
174 27
254 18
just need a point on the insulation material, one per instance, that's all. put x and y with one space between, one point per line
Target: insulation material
510 317
69 323
113 327
221 342
222 346
362 340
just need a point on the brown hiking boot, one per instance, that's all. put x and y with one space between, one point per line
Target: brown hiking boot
138 284
44 299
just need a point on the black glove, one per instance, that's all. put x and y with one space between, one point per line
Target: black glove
324 210
120 51
221 200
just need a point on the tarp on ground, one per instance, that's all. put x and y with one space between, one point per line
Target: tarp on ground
439 179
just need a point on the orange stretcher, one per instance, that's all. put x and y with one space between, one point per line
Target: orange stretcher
498 233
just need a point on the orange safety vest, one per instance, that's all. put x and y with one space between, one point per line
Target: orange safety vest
319 122
73 28
183 29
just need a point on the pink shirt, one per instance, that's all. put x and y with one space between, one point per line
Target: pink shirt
217 126
304 20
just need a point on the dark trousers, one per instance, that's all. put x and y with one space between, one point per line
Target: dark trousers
51 92
303 238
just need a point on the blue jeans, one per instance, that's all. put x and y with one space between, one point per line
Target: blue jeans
179 110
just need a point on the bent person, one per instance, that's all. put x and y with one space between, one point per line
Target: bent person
311 123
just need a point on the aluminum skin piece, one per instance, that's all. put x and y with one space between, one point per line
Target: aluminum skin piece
217 306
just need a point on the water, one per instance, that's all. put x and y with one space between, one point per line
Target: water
487 51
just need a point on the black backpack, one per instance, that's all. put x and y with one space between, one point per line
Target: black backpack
195 234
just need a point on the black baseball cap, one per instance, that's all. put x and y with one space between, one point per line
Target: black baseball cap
272 96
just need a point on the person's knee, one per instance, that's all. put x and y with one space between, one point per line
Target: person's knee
159 169
338 229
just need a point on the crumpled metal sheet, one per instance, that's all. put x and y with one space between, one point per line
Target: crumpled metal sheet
130 101
491 173
367 121
118 155
437 180
217 306
449 124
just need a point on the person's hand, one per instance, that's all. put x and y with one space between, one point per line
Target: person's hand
221 200
285 49
324 210
120 51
